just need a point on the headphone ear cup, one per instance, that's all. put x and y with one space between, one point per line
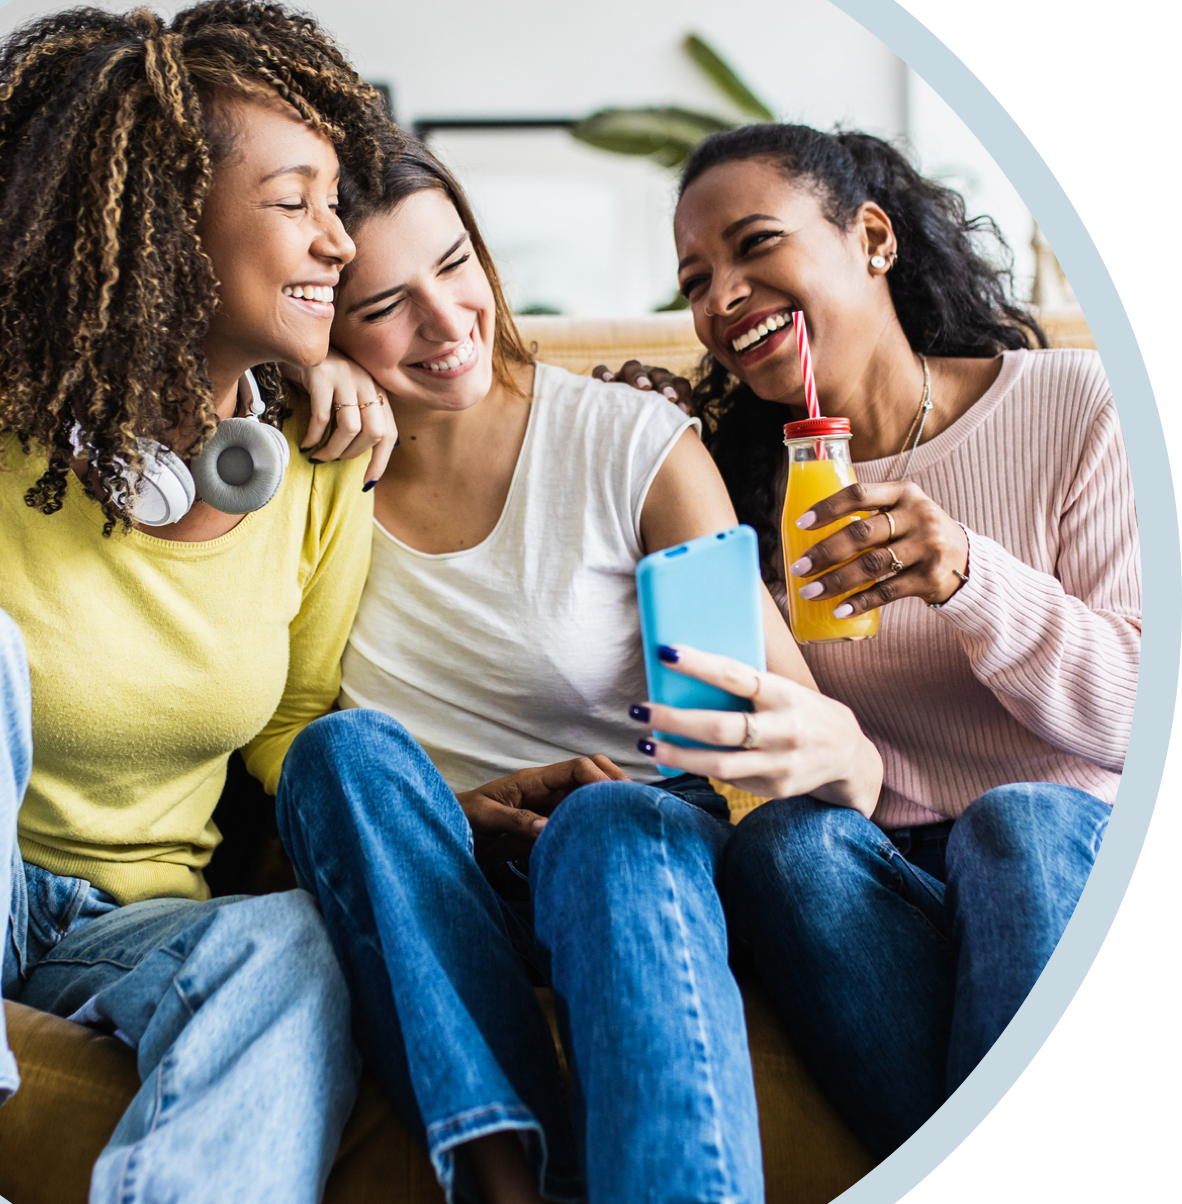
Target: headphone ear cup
242 466
280 441
163 491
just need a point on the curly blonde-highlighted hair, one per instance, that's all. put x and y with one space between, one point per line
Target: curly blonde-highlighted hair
110 131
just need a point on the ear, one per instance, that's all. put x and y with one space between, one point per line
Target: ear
877 236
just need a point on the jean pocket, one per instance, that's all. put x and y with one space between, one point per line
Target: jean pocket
53 904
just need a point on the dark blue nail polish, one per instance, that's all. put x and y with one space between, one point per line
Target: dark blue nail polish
669 655
398 441
313 460
647 747
640 714
368 486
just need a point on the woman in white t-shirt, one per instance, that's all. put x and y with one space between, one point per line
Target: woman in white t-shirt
499 632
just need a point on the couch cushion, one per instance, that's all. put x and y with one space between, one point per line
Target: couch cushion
76 1084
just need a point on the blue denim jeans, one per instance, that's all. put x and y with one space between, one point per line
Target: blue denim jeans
236 1008
893 984
623 885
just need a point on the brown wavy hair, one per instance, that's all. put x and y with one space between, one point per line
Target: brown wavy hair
109 136
409 167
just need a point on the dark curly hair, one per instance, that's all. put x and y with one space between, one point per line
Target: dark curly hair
950 298
109 135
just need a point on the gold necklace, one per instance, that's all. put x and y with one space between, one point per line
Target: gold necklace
921 417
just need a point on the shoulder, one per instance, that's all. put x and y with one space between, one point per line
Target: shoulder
1064 380
598 405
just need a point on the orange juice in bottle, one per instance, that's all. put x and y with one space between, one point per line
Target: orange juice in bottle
818 466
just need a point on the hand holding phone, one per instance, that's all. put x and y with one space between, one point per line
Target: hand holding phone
706 594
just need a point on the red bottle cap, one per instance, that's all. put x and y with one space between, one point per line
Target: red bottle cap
817 428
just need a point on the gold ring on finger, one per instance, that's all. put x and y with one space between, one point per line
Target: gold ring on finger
896 565
345 405
751 736
364 405
891 523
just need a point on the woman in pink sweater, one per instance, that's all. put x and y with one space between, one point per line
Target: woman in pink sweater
1002 549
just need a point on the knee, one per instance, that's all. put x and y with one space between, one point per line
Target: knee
342 763
1025 822
286 935
606 830
343 738
610 814
796 836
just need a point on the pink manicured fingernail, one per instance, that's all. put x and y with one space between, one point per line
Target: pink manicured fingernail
538 825
643 382
608 376
843 611
670 392
806 520
811 590
683 407
802 568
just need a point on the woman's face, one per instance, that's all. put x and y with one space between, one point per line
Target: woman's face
417 310
753 246
270 228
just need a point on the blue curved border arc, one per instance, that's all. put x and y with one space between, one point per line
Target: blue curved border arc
1161 579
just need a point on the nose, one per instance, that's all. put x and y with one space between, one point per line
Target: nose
727 291
332 242
441 320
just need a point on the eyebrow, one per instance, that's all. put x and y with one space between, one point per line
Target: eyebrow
397 288
300 169
733 228
746 221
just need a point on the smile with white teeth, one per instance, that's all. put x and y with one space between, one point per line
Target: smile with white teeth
461 355
310 292
766 327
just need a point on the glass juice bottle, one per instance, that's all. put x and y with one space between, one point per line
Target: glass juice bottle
818 466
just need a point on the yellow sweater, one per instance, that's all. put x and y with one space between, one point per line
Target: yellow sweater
153 660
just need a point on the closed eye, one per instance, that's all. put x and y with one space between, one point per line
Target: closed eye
384 312
455 263
692 283
753 240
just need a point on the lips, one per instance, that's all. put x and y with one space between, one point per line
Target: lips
454 359
310 292
747 332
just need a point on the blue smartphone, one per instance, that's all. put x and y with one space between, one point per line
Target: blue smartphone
707 594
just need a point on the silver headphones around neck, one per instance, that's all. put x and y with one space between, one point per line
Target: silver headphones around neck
239 470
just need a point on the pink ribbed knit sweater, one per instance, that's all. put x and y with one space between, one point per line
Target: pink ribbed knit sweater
1029 673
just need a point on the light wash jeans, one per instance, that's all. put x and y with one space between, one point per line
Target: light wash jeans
630 932
893 984
236 1009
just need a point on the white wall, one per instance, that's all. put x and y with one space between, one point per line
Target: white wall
538 58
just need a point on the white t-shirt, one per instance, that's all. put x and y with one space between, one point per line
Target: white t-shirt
525 649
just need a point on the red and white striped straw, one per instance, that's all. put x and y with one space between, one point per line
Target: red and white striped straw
806 374
806 364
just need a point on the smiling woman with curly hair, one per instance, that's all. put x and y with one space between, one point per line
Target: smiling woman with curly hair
167 225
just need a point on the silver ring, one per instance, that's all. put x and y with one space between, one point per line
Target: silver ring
751 734
896 566
891 523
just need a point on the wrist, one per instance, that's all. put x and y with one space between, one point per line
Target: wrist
958 576
859 789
